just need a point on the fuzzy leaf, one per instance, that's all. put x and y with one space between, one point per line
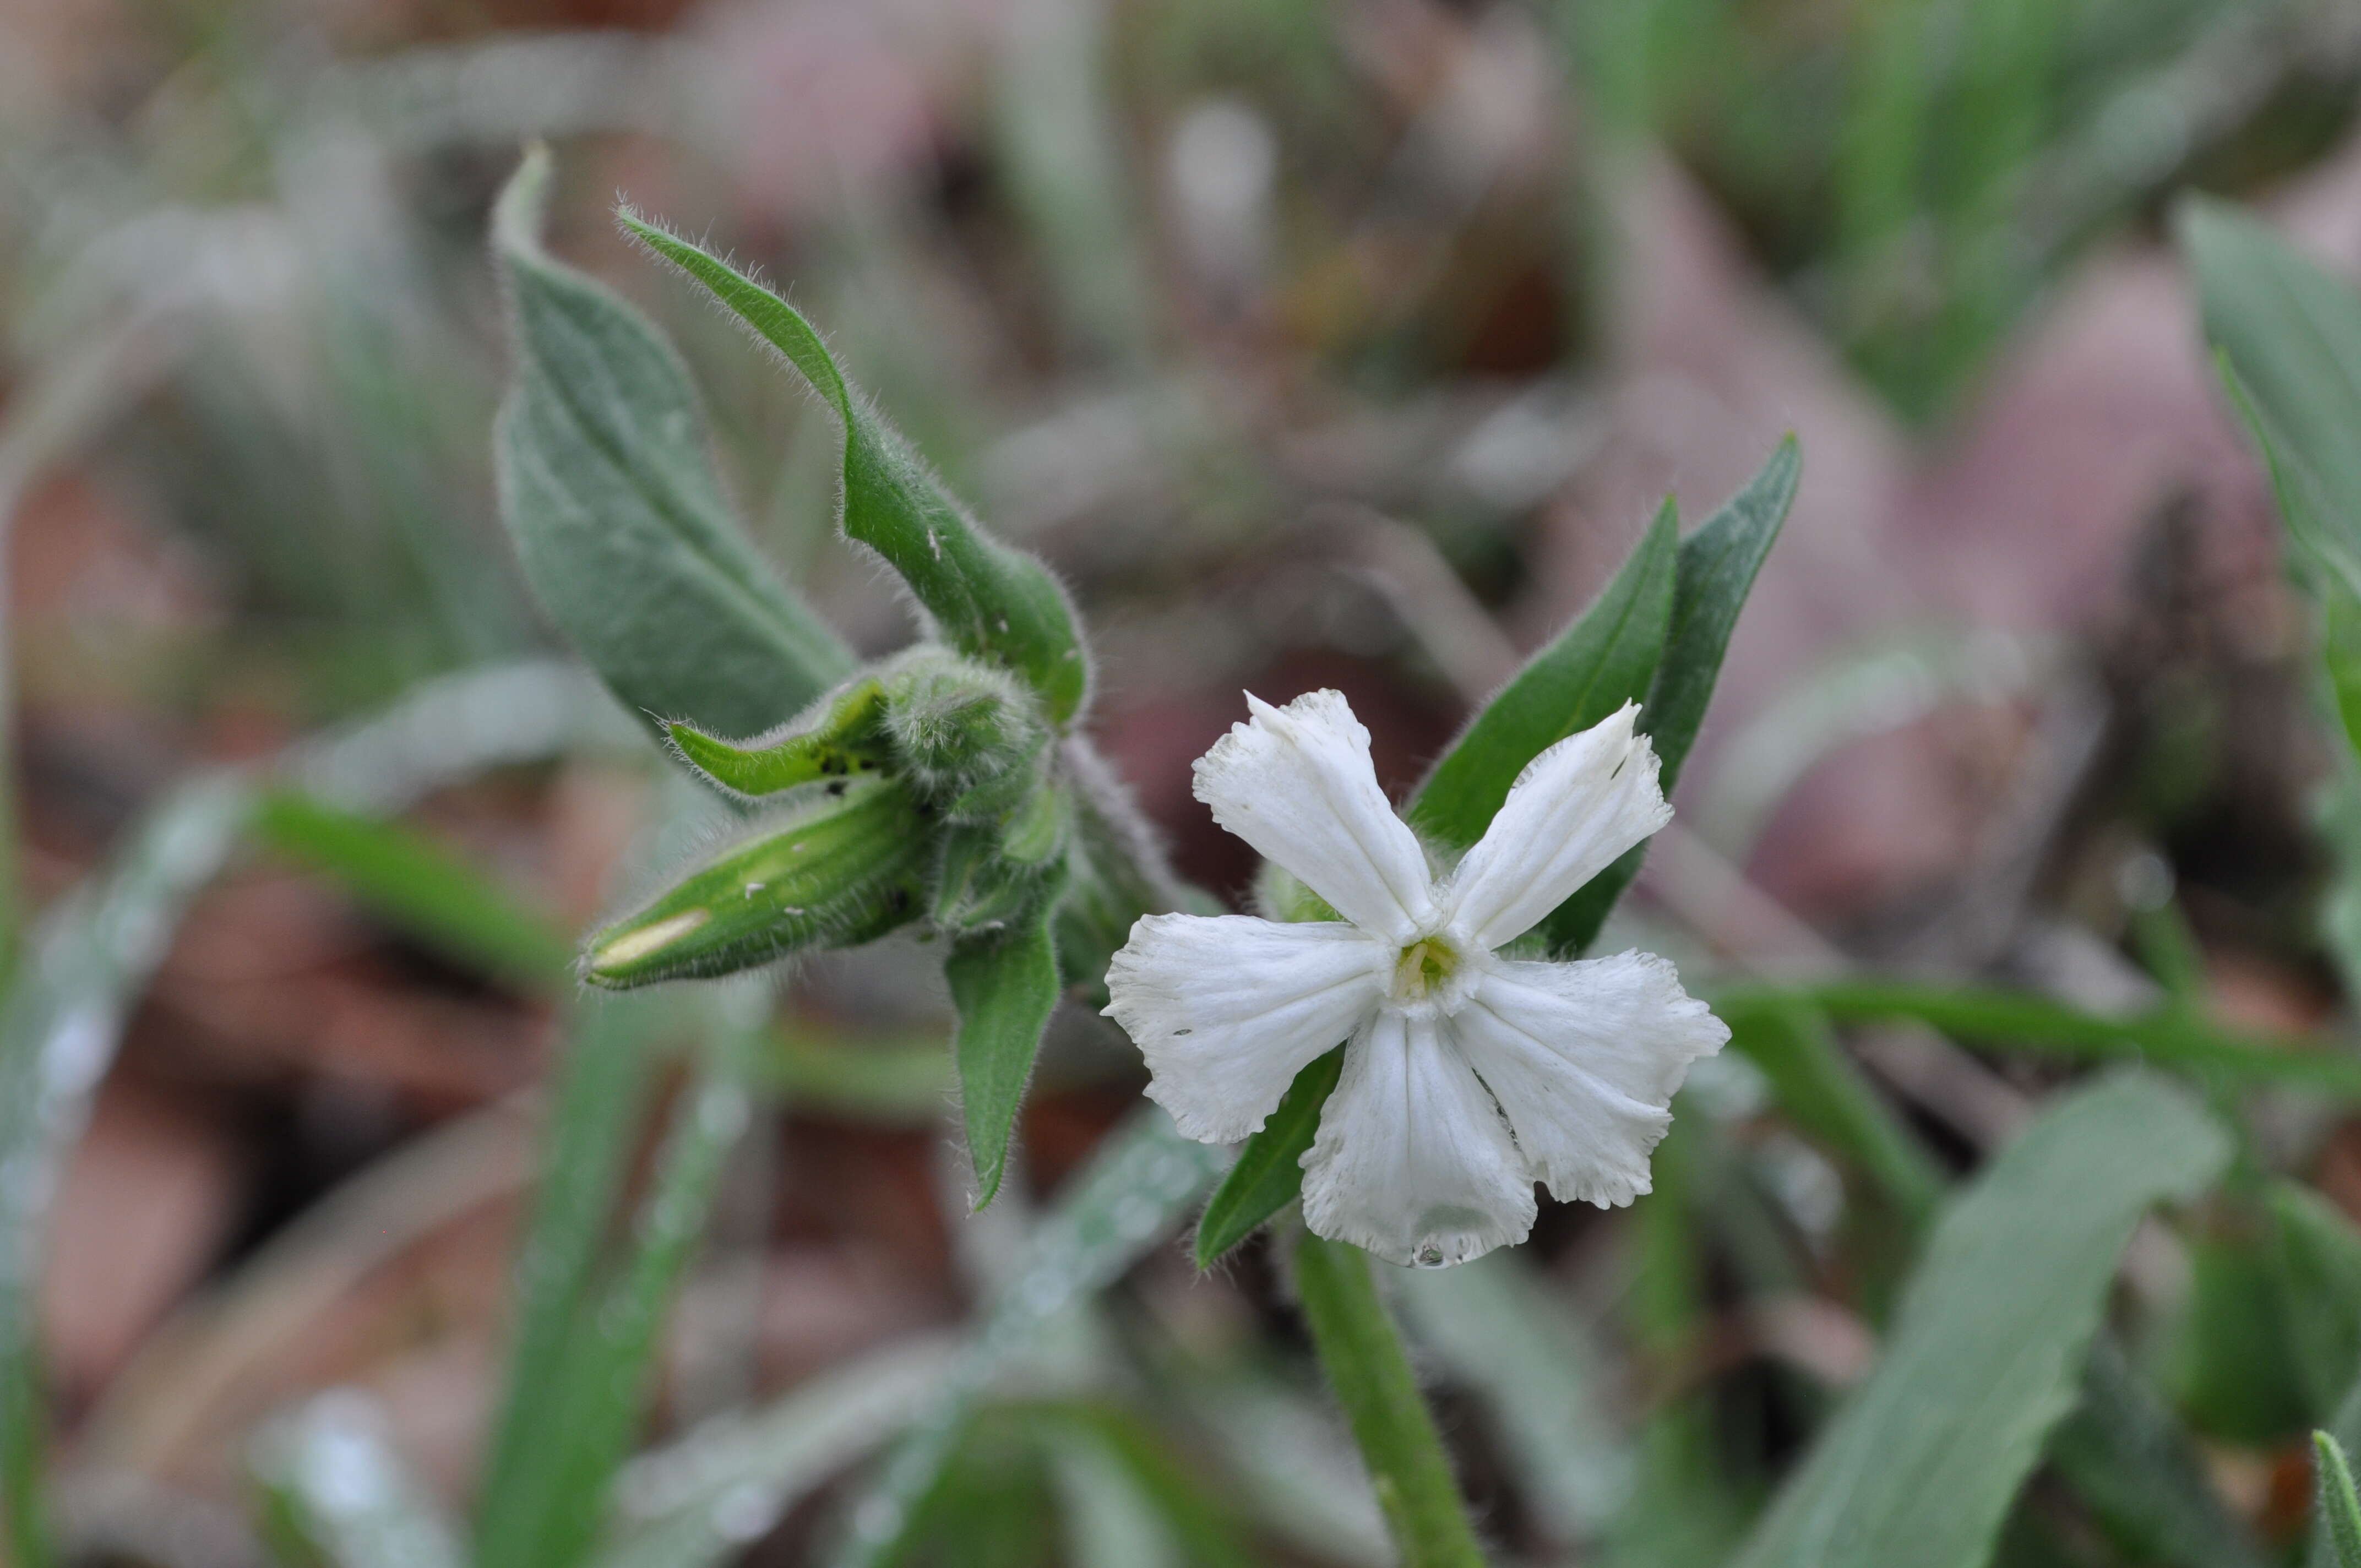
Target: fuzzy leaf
618 516
841 869
1005 988
847 736
2338 1506
1991 1331
992 602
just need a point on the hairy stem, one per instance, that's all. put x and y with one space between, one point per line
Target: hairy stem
1362 1355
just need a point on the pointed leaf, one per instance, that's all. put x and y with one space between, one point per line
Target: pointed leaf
1718 565
1269 1170
611 497
1005 988
2319 1258
846 738
990 601
1605 658
2338 1506
1991 1331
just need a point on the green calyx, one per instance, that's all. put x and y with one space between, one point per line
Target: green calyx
845 865
926 786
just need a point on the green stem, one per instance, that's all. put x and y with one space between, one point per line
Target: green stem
1363 1356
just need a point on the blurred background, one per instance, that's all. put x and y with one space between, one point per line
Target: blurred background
1340 342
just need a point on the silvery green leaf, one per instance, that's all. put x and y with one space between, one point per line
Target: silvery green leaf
1992 1330
610 497
988 601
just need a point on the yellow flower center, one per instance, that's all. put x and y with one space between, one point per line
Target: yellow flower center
1424 968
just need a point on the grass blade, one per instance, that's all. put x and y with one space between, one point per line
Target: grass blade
419 886
692 1504
554 1504
1831 1099
610 498
1992 1331
1143 1177
336 1493
60 1024
592 1109
2020 1020
1363 1357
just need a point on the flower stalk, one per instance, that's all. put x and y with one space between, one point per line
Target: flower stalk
1361 1351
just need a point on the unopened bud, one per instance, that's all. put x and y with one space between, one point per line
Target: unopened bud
968 734
845 867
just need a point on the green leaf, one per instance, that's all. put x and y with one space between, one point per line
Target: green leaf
2318 1256
994 603
1144 1176
2131 1462
609 494
846 738
841 867
1005 988
1605 657
1270 1168
336 1495
2014 1020
2338 1506
1371 1378
419 886
1991 1333
1715 572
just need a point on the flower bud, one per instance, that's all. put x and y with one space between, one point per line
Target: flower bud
967 734
844 867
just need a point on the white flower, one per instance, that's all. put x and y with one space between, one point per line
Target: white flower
1467 1076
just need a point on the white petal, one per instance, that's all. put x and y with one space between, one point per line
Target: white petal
1411 1161
1228 1009
1574 809
1584 1058
1297 783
